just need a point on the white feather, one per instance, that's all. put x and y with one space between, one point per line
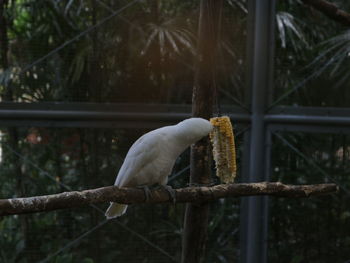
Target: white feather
151 158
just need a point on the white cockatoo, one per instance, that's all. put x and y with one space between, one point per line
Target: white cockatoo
151 158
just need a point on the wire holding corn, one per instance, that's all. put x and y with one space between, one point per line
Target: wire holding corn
224 152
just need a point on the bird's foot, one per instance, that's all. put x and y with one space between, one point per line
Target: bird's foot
171 192
199 185
147 192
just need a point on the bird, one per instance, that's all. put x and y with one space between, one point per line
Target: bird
151 158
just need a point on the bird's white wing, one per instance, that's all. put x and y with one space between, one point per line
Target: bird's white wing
142 154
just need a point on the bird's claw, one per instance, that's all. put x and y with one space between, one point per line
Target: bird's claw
168 188
171 192
147 192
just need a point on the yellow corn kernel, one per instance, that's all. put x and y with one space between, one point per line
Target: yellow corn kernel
224 152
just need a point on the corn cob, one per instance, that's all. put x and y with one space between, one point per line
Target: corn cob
224 152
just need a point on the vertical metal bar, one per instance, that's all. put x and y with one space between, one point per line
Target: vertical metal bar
261 15
265 208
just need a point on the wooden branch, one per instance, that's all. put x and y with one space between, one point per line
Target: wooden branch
330 10
160 195
204 98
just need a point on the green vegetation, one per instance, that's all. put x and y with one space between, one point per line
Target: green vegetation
146 55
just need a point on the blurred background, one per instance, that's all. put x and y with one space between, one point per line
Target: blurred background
81 80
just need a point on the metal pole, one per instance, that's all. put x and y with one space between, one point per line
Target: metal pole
261 15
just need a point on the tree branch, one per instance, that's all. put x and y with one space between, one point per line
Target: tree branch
330 10
159 195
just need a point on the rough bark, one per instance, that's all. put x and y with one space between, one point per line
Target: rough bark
204 97
330 10
160 195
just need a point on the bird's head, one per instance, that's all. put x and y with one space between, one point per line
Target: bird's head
193 129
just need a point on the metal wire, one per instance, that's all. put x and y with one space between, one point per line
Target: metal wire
79 238
52 178
108 8
311 162
75 241
294 89
91 205
191 67
42 171
86 31
173 177
99 225
145 240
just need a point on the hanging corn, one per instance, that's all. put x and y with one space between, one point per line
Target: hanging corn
224 152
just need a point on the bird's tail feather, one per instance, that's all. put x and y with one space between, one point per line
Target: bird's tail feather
115 210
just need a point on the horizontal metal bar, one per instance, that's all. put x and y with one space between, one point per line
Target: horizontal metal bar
132 107
103 115
86 106
88 115
307 120
317 111
86 124
308 128
156 115
98 115
160 116
126 107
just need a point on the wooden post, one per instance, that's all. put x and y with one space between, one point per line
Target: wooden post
204 92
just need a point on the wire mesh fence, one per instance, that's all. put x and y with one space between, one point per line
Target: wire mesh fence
53 160
107 52
305 224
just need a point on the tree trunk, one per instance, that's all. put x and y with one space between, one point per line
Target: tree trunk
204 90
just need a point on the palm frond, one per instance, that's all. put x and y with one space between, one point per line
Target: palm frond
335 56
240 3
170 36
289 29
